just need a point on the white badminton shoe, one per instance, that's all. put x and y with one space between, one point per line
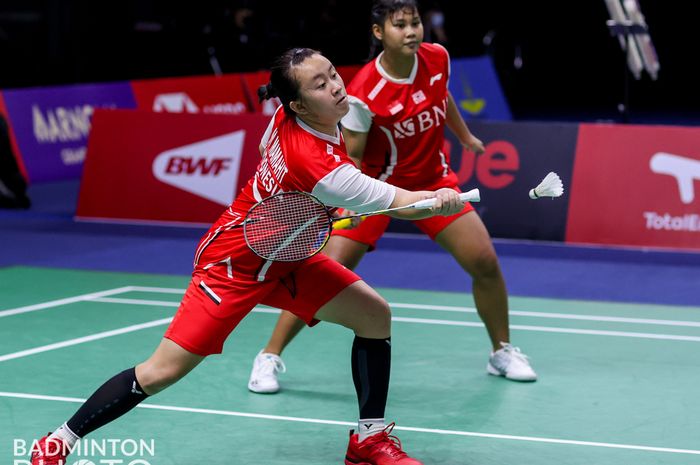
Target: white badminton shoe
510 362
263 378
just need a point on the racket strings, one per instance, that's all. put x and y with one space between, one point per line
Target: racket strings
290 226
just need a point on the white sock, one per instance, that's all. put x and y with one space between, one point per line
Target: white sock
66 435
368 427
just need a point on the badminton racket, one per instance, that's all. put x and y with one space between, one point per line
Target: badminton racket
293 226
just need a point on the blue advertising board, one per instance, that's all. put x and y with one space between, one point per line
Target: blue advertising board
51 124
517 157
477 92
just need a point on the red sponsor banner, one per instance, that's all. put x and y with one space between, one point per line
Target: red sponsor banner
198 94
145 166
13 141
253 81
636 185
347 72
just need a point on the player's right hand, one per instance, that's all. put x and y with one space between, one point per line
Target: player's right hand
447 202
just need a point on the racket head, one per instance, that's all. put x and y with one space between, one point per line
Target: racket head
287 227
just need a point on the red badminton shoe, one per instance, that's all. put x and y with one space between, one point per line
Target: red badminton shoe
379 449
49 452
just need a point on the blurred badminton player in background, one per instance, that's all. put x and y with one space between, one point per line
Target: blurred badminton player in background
399 105
302 150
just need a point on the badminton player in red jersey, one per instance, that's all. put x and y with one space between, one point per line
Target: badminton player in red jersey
399 107
302 150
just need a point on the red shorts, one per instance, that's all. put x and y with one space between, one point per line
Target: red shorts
372 228
214 304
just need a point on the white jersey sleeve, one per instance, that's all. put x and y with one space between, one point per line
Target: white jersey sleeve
359 118
348 187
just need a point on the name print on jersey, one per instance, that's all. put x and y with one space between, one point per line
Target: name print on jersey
423 121
273 169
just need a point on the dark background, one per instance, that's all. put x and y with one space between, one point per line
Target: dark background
572 68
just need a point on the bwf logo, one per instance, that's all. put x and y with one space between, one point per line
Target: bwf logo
685 170
208 168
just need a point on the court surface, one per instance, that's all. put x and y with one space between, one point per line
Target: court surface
618 381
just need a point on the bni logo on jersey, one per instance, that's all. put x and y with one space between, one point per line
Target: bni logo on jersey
90 451
208 168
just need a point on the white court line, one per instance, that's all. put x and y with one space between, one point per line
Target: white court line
128 329
550 329
66 301
562 316
428 321
80 340
165 303
162 290
172 408
119 300
450 308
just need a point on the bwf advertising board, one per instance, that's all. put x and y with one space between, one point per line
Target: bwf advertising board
173 168
51 125
517 158
636 185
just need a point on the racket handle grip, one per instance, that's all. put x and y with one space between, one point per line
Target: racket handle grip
345 223
342 224
469 196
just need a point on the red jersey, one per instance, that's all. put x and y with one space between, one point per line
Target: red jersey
405 120
295 158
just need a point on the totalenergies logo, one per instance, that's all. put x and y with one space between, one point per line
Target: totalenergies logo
685 170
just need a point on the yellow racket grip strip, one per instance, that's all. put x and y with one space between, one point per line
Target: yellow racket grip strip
345 223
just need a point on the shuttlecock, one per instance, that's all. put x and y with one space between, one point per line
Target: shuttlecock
551 186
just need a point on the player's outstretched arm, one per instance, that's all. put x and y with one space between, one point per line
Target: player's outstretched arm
447 203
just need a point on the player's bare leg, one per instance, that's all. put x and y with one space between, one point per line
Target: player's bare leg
268 363
286 329
167 365
359 308
117 396
468 241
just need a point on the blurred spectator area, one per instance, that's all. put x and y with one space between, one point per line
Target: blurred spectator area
553 57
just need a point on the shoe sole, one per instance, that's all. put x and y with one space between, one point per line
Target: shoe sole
494 372
350 462
262 391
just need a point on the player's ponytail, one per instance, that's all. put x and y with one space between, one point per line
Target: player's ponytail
381 10
283 83
266 92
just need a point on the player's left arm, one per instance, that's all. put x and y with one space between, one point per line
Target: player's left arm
460 129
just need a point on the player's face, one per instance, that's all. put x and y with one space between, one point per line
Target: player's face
401 33
323 95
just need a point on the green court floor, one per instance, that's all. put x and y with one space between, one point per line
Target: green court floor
618 382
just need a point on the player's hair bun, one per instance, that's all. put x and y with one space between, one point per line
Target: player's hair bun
266 92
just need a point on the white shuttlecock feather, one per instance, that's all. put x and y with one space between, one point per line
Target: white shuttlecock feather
551 186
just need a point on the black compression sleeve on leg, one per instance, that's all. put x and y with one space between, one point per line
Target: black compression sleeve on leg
371 366
111 400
